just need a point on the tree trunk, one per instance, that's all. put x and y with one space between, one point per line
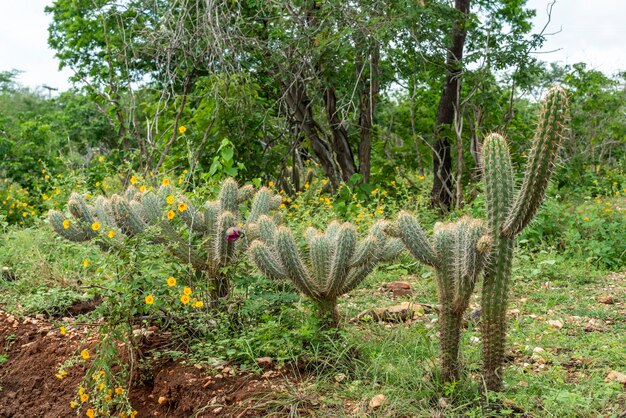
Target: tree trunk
340 143
366 116
442 193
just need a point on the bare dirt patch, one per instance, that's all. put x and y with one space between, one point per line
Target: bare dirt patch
31 351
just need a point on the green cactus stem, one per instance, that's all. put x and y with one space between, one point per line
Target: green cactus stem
210 242
507 215
337 260
458 253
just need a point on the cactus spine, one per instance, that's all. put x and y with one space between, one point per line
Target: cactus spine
458 253
155 214
338 262
507 215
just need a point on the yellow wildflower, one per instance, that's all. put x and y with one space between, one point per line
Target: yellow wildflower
170 214
170 200
171 281
95 226
198 304
62 330
149 299
282 206
85 263
108 398
182 129
184 299
119 391
182 207
166 182
66 224
143 189
271 184
187 291
90 413
324 181
84 354
133 180
72 404
111 233
101 159
84 397
421 178
307 185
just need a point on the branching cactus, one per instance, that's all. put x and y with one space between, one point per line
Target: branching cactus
458 253
209 242
508 214
336 263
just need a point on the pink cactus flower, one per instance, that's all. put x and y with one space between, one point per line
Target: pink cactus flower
233 233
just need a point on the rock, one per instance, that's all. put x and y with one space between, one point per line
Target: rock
397 313
538 350
555 323
340 377
606 299
615 376
376 401
218 409
264 361
162 400
398 288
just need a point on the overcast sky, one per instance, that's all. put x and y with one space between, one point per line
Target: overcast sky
590 31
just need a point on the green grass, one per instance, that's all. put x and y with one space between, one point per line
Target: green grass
341 371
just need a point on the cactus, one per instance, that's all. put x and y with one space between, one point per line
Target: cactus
155 214
458 253
507 215
338 262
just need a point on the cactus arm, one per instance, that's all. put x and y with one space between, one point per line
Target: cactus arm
320 254
76 232
192 217
266 261
261 204
365 251
294 268
498 178
245 193
228 196
345 244
224 249
540 164
413 237
127 218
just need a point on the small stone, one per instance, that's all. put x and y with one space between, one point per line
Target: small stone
555 323
606 299
538 350
219 376
264 361
398 288
615 376
340 377
218 409
162 400
376 401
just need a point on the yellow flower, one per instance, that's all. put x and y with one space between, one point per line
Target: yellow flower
72 404
421 178
170 214
182 207
66 224
101 386
119 391
271 184
182 129
149 299
133 180
187 291
84 397
108 398
282 206
81 390
184 299
198 304
24 214
170 200
101 159
84 354
111 233
307 185
295 206
142 189
324 182
133 414
185 171
90 413
586 218
95 226
62 330
171 281
166 182
59 376
85 263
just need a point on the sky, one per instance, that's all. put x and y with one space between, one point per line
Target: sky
588 31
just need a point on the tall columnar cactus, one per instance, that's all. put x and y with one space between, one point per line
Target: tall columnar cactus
508 214
209 244
458 253
337 260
